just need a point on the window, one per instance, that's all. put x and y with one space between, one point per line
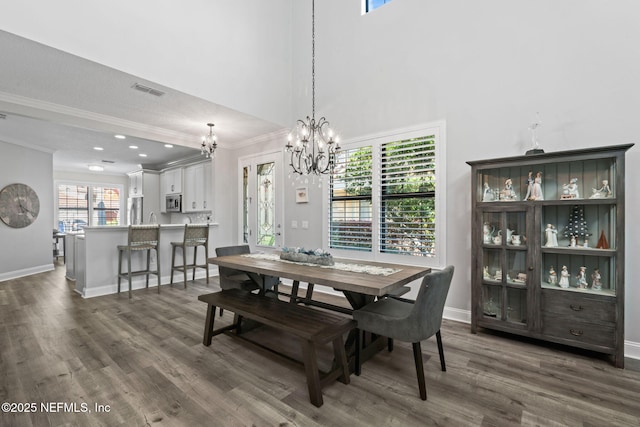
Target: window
75 212
370 5
383 197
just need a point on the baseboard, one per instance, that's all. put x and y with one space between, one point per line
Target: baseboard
632 350
26 272
136 283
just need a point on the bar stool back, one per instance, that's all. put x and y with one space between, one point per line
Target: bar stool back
194 235
140 238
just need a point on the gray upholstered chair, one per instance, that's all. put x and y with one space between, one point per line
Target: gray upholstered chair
194 235
408 320
140 238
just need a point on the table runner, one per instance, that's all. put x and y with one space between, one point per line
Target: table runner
356 268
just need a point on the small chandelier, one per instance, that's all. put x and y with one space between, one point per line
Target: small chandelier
209 143
312 144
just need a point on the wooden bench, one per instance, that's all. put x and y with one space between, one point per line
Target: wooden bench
311 326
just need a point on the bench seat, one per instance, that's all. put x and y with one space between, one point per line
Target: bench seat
311 326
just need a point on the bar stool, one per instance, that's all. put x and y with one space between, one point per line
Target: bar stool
140 238
194 235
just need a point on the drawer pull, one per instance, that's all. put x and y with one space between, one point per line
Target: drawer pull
576 307
575 332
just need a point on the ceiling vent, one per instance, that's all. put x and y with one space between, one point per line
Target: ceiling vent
108 161
147 89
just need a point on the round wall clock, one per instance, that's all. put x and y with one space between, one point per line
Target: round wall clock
19 205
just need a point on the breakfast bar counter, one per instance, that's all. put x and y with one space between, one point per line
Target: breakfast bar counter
96 266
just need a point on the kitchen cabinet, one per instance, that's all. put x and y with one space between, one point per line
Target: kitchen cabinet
135 183
548 247
197 188
171 181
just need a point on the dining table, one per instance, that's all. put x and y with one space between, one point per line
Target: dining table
361 282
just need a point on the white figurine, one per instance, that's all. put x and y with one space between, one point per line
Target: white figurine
551 236
487 193
595 280
508 193
536 188
564 277
604 191
570 190
582 278
529 185
573 242
553 277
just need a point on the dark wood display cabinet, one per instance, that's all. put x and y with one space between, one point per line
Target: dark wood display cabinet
548 247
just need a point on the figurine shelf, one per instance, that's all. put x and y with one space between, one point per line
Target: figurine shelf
548 247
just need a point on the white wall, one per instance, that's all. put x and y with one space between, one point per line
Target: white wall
27 250
234 53
486 68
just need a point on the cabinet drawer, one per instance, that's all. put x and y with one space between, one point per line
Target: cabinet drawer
573 306
582 332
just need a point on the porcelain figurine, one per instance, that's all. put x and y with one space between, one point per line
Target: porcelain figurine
570 190
595 280
602 192
582 278
564 277
553 277
551 236
529 185
508 194
536 188
487 193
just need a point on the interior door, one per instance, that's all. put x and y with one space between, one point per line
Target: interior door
261 199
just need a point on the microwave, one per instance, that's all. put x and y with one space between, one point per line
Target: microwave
174 203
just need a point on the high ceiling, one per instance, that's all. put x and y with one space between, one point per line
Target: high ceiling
65 104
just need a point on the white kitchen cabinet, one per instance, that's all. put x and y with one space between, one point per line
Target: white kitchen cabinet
197 188
135 184
172 181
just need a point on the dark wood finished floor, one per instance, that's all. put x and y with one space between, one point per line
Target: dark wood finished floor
145 359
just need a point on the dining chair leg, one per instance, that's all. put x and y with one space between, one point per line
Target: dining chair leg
119 268
129 269
417 357
206 263
390 344
441 351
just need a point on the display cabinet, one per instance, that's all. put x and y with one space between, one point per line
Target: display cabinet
548 247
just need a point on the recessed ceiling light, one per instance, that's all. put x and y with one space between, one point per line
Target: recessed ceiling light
168 145
142 155
96 168
133 147
98 148
120 136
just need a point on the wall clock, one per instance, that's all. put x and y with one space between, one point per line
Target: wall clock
19 205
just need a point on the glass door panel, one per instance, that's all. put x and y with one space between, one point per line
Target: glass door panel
516 305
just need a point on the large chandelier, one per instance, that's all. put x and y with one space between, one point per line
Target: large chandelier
209 143
312 144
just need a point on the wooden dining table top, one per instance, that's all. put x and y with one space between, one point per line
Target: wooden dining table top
347 281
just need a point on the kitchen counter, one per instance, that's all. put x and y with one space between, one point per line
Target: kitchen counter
96 259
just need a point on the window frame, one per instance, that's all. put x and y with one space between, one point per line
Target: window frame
438 130
90 209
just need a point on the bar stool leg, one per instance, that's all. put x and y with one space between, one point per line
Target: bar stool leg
158 267
119 268
195 257
129 269
173 262
148 266
184 265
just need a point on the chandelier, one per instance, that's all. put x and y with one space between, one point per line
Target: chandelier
312 144
209 143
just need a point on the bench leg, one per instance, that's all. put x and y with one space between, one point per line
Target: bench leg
340 356
208 325
313 375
